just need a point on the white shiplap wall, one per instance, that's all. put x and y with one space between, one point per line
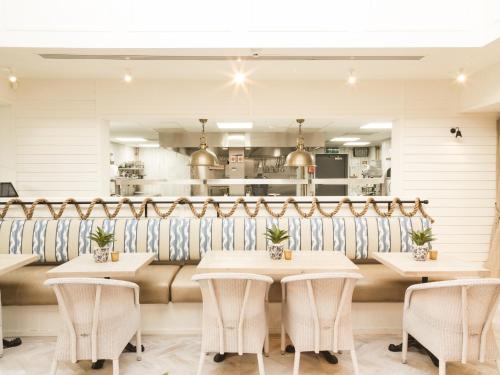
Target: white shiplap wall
58 139
60 132
457 176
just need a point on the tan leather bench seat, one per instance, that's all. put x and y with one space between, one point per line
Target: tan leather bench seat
379 284
25 285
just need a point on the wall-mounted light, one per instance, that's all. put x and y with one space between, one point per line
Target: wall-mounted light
456 131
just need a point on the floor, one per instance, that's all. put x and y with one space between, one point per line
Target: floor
178 355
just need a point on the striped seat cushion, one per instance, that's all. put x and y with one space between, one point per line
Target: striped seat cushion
181 239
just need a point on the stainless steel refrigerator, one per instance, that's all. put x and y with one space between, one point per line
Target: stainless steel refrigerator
332 166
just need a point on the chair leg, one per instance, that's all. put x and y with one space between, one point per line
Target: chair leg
266 345
260 360
354 359
442 367
283 339
53 367
404 351
116 367
138 344
296 363
200 364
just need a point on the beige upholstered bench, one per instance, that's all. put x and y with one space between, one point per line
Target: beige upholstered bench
176 241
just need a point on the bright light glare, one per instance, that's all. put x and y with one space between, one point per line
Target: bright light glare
127 77
239 78
461 78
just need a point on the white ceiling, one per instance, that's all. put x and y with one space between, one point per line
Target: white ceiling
149 129
438 63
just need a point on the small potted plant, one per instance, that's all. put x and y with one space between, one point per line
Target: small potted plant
276 236
102 239
420 239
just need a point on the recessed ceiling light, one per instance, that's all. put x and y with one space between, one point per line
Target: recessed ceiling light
239 78
235 125
356 144
344 139
461 77
236 137
352 79
130 139
149 145
377 125
127 77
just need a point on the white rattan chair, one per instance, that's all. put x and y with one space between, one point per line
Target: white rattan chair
99 317
452 319
316 314
234 314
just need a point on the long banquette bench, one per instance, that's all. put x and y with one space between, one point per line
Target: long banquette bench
178 243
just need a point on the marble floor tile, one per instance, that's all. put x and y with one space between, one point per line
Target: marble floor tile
178 355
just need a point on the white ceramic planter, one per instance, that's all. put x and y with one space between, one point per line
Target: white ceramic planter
276 250
420 253
101 254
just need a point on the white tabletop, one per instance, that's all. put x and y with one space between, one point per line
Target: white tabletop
259 262
85 266
11 262
445 266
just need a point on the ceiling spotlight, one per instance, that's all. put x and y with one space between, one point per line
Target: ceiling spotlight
456 131
344 139
356 143
352 79
12 78
239 78
461 77
127 77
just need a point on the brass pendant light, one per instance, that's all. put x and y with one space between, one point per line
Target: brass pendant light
203 157
300 157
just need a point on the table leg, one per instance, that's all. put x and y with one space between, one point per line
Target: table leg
330 358
219 357
413 343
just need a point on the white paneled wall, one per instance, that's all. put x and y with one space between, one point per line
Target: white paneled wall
457 176
60 130
58 140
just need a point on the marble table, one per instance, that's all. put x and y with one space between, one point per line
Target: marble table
259 262
8 263
446 266
84 266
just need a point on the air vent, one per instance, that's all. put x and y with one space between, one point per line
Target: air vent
64 56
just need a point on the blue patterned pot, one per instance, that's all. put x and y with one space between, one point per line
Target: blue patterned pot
276 250
420 253
101 254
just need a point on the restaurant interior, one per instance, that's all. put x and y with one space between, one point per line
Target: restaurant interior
249 188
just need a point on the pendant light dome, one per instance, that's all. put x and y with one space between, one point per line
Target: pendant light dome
300 157
203 157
